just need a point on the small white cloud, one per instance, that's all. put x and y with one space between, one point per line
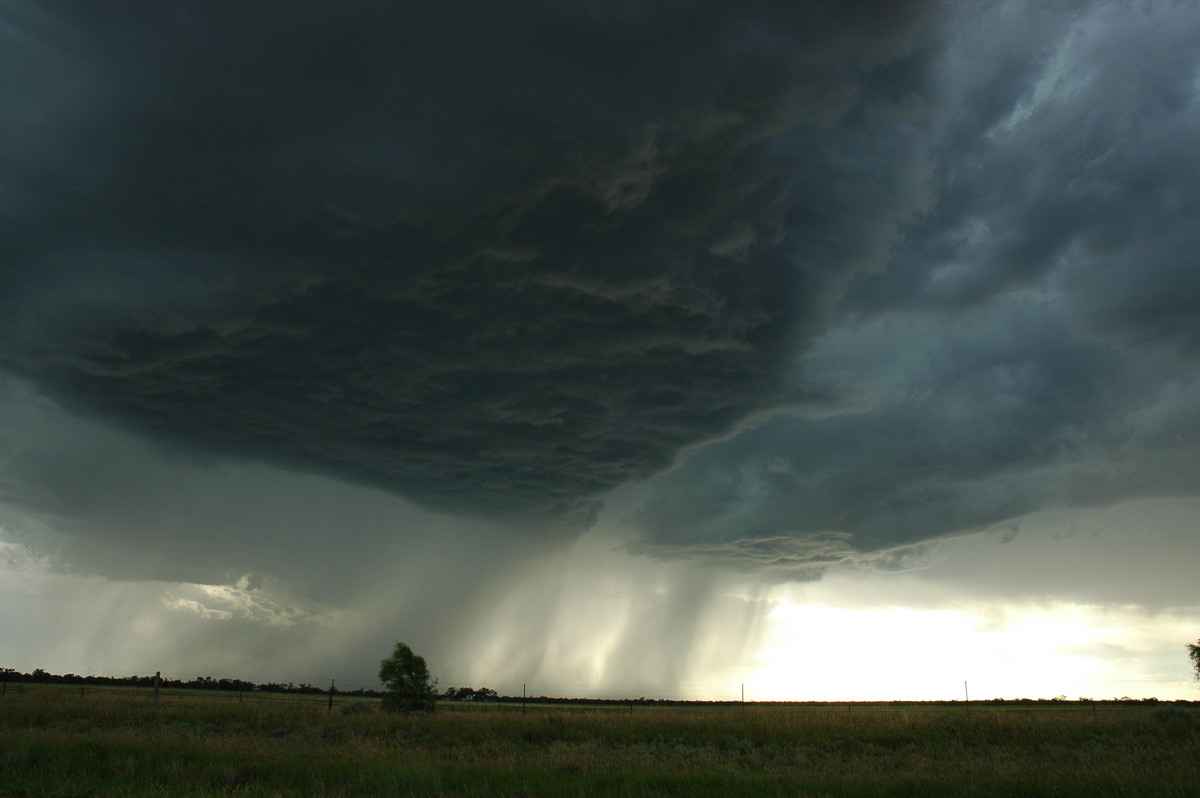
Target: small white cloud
242 602
188 605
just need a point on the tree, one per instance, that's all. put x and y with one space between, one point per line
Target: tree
405 676
1194 653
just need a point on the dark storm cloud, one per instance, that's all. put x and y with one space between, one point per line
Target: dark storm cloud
1032 341
1066 156
492 257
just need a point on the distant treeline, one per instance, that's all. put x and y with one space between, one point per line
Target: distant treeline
199 683
734 702
478 694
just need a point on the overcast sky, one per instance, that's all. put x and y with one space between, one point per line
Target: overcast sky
608 347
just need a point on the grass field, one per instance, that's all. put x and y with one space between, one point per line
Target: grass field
64 741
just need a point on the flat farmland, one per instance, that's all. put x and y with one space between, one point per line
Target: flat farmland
65 741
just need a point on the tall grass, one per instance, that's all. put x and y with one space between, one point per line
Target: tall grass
120 742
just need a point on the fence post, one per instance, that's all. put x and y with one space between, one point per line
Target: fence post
157 682
331 695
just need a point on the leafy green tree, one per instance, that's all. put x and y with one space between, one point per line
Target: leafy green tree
1194 653
406 679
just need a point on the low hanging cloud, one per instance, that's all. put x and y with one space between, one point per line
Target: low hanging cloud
496 260
1031 343
962 429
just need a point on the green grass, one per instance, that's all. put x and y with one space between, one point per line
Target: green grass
55 741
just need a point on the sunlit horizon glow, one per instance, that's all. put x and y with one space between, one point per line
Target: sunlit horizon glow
564 629
809 652
901 654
